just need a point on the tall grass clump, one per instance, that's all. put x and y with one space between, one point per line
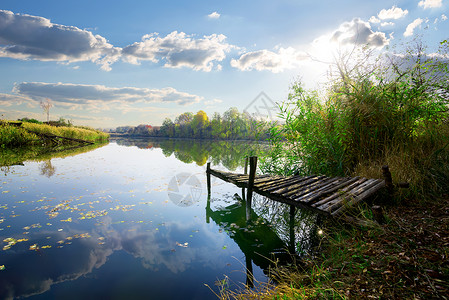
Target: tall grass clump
389 110
13 136
83 133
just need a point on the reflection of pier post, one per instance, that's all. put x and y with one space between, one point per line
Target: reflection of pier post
245 170
292 229
208 193
249 272
252 175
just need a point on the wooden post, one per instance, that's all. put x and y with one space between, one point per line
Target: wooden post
252 175
388 180
378 214
208 179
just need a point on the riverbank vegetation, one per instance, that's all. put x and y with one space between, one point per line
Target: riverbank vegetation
391 110
15 134
232 125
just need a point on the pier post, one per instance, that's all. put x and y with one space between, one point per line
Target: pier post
388 180
252 175
378 214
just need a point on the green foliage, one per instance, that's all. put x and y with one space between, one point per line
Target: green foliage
14 136
30 120
17 136
392 110
233 125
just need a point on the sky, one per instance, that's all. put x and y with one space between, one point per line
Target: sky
114 63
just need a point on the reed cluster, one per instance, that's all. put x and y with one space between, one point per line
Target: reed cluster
390 110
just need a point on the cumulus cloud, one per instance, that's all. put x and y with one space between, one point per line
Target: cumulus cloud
7 100
78 95
214 15
384 24
32 37
392 13
430 3
411 27
178 49
284 58
358 32
374 19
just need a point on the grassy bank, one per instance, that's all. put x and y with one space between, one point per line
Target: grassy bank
17 136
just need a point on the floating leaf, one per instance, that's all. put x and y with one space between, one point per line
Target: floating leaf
2 268
224 247
34 247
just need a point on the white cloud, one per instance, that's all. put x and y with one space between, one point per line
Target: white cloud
32 37
285 58
411 27
214 15
358 32
99 97
374 20
179 50
384 24
393 13
443 17
430 3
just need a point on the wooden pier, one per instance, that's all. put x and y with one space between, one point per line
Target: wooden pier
326 195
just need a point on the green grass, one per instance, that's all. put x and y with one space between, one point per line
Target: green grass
13 136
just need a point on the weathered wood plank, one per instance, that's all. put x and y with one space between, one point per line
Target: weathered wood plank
349 196
276 182
291 189
300 187
309 197
371 190
338 192
293 180
311 188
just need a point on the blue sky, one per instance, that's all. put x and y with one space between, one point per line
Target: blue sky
114 63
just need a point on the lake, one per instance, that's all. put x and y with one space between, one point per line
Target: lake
132 220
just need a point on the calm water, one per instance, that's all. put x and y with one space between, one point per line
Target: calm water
132 220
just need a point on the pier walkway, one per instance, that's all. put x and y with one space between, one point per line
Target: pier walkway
326 195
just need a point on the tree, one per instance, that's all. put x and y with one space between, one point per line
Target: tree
199 123
46 105
167 128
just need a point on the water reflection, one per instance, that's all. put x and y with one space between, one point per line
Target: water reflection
230 154
101 224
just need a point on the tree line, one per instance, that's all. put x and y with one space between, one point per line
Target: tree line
231 125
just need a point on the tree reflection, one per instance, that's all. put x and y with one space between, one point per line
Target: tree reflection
47 168
228 153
